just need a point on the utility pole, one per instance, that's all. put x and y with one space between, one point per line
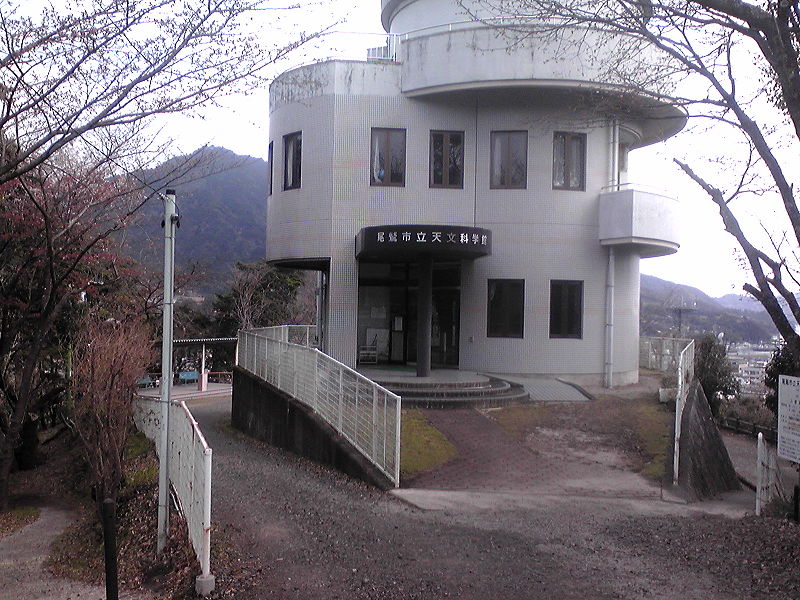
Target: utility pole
170 223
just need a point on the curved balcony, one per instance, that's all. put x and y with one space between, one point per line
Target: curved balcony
614 72
635 217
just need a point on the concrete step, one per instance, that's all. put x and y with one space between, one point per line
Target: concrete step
489 392
513 395
489 388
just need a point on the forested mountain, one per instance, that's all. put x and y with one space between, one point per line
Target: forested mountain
222 206
666 306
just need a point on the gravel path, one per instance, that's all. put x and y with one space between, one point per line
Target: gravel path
307 532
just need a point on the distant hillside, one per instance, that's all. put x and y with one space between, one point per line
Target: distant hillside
740 302
222 205
664 304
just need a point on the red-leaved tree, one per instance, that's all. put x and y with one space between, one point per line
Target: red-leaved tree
56 225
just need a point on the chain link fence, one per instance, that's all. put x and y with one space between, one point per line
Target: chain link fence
661 354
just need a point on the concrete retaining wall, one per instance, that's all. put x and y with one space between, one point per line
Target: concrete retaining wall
705 467
266 413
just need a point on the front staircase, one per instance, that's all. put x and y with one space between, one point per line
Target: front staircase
445 389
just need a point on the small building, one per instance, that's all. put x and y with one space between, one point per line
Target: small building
466 200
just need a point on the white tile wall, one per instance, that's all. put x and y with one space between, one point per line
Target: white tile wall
539 233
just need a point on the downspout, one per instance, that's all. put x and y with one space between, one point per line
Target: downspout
609 352
608 372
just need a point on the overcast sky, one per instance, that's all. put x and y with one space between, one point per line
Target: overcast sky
707 259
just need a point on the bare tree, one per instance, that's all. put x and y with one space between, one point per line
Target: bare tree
81 83
738 62
260 295
110 356
69 74
55 247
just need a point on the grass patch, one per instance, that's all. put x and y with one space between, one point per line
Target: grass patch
422 446
78 552
521 419
137 445
144 476
17 518
652 425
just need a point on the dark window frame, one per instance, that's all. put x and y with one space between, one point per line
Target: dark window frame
565 321
384 137
295 142
446 162
508 320
565 157
270 167
496 183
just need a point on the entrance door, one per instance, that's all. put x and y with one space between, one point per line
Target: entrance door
444 333
387 312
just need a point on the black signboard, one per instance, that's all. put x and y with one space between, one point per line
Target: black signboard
407 242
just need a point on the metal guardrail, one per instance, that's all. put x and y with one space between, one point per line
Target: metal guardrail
365 413
752 429
661 354
685 378
189 469
303 335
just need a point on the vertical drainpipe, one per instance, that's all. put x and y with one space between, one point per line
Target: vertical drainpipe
609 360
613 179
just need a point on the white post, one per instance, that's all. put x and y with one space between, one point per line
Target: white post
759 473
341 391
398 422
170 221
677 448
205 582
374 424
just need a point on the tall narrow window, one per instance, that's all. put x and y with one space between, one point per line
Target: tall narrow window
569 161
292 160
506 308
566 309
509 157
447 159
270 165
388 157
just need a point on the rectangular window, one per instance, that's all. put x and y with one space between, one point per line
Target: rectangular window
388 157
509 158
270 159
566 309
506 308
569 161
292 159
447 159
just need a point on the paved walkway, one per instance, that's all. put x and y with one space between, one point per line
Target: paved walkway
494 470
539 387
312 533
22 554
191 391
546 389
743 450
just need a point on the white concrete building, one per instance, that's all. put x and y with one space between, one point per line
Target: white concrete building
466 200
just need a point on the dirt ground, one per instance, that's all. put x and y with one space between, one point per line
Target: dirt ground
299 530
555 502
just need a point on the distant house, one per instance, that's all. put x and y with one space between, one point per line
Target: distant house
466 201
